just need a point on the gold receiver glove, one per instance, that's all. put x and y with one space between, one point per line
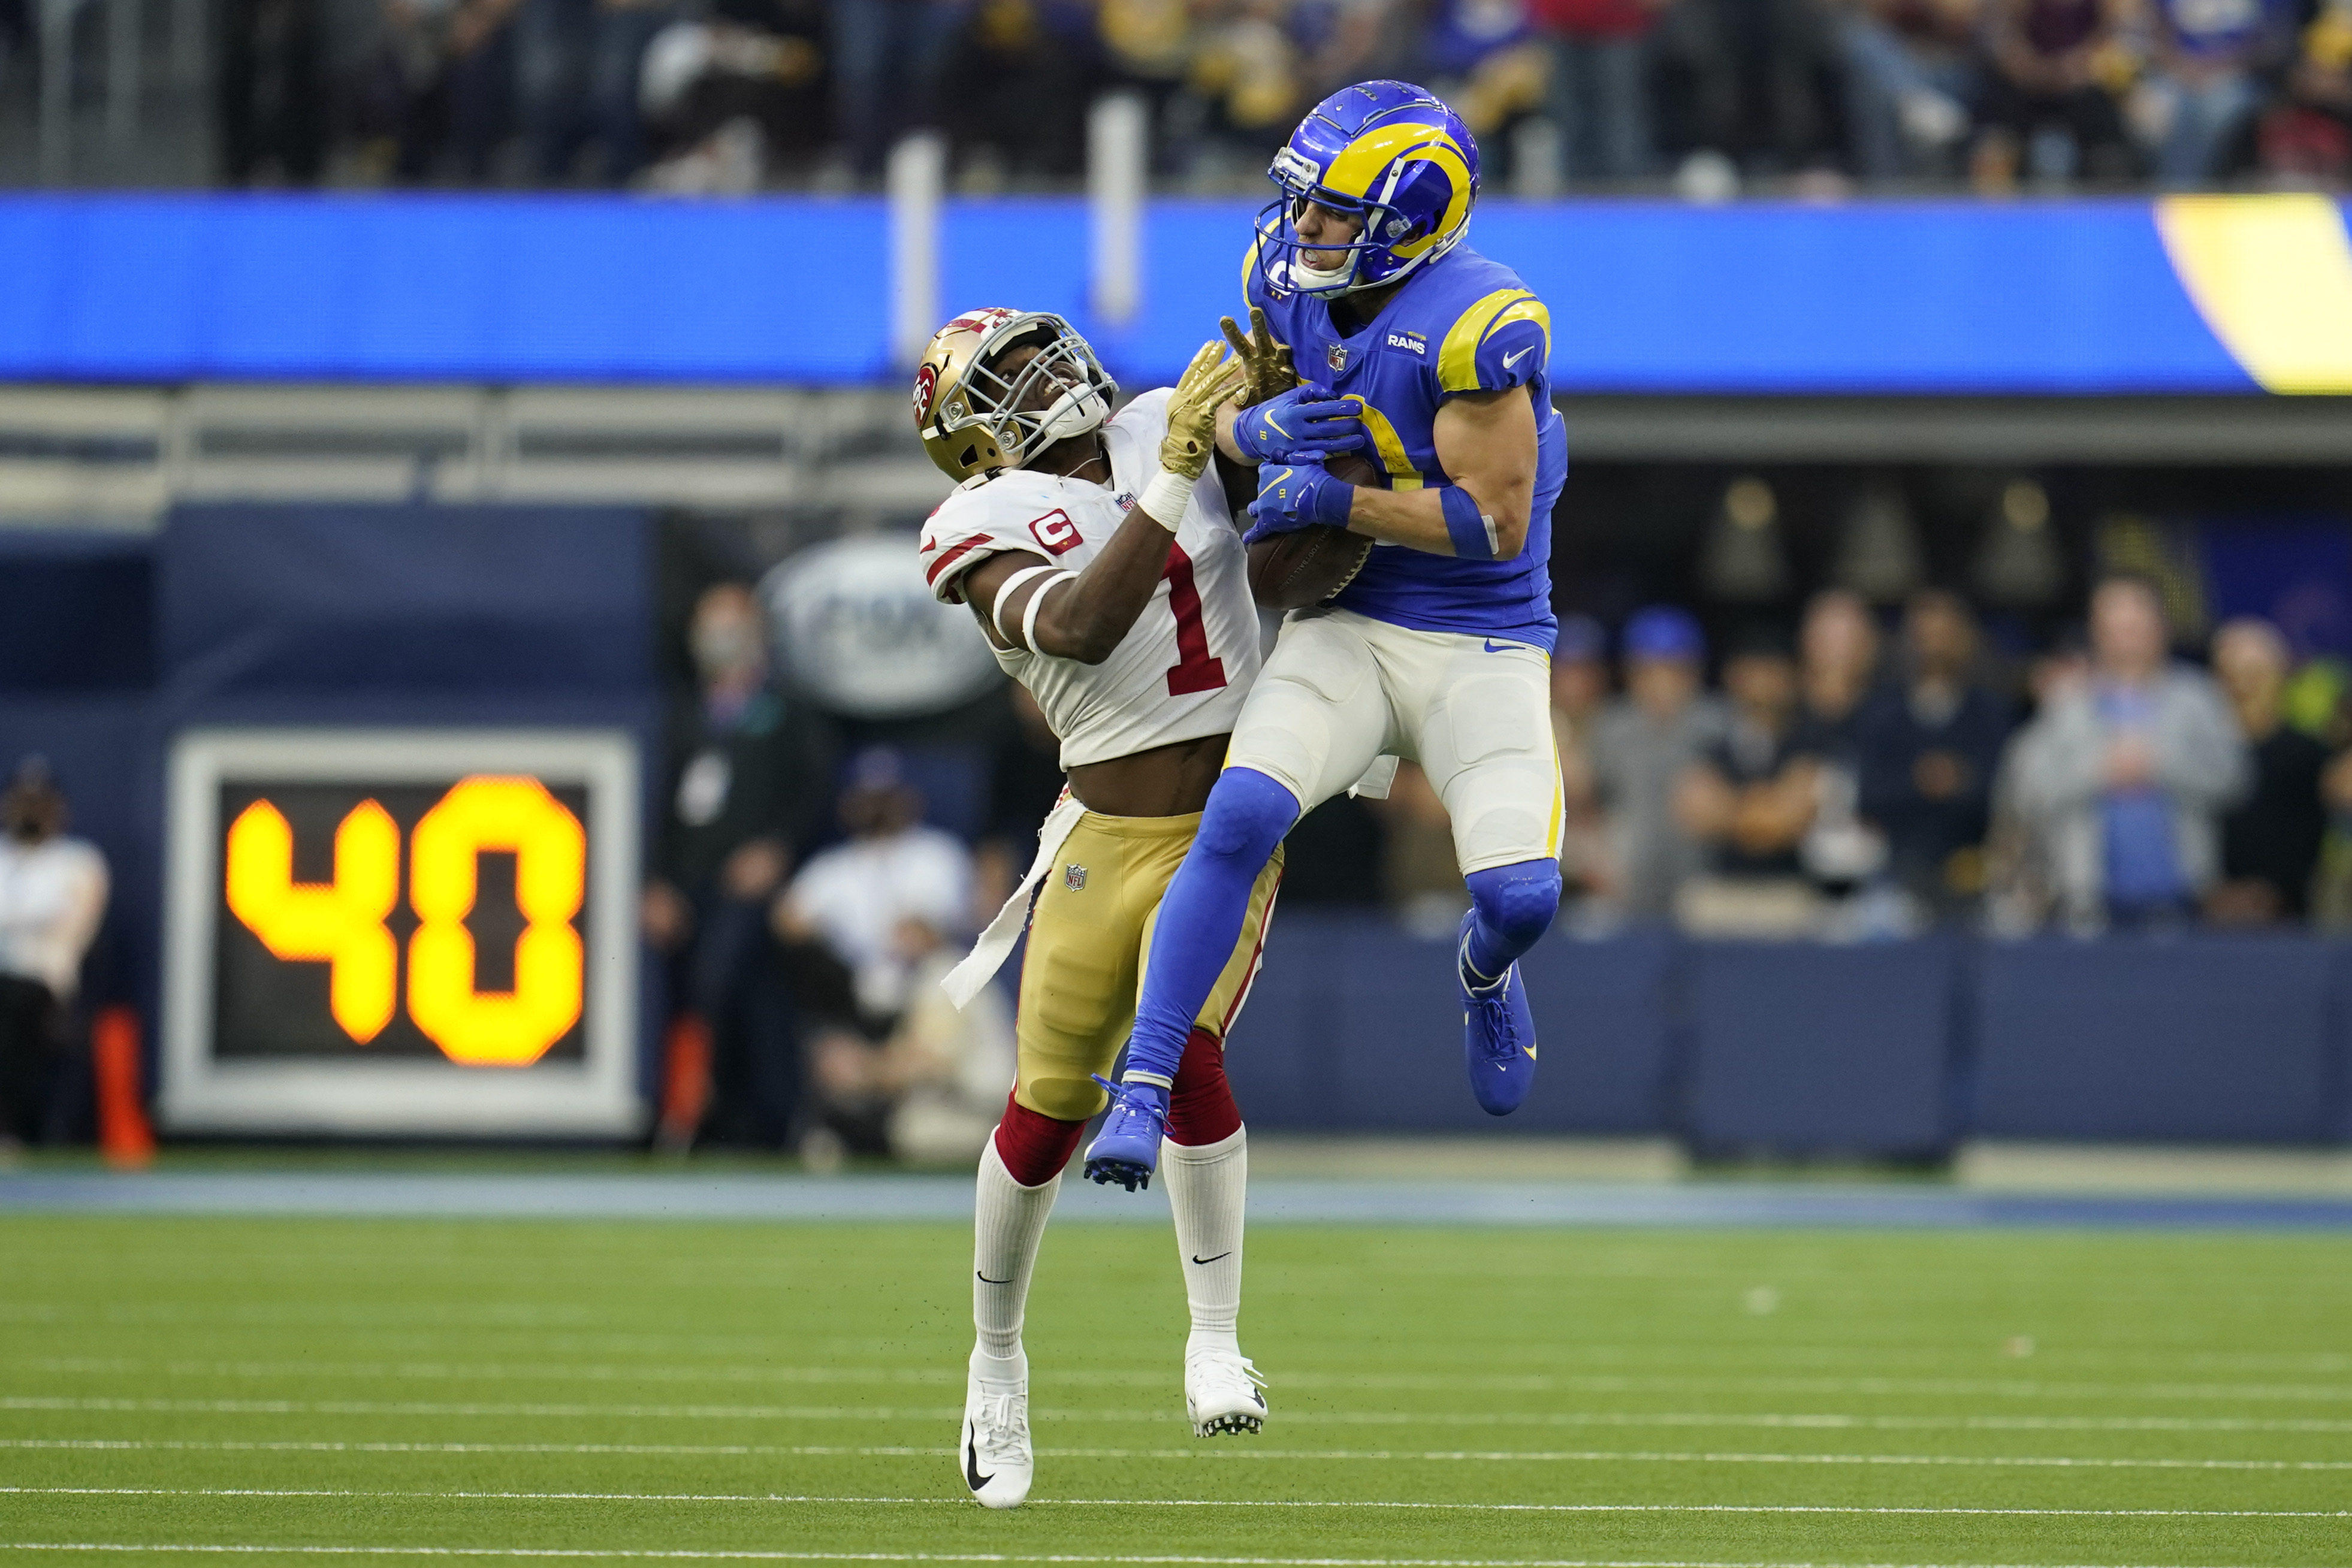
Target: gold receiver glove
1209 382
1270 374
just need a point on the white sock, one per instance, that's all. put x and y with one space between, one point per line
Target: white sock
1008 1221
1207 1186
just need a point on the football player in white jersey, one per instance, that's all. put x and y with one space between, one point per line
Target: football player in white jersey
1108 575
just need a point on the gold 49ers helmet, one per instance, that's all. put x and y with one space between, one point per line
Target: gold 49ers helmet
974 422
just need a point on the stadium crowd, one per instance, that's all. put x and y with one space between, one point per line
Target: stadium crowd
1714 96
1862 775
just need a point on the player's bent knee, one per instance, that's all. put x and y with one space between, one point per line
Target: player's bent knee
1518 901
1032 1145
1247 814
1064 1099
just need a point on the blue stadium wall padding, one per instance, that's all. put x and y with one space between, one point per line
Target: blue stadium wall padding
2173 1039
1647 296
1354 1024
356 599
77 611
1603 1020
1805 1049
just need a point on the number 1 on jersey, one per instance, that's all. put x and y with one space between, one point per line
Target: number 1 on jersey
1194 670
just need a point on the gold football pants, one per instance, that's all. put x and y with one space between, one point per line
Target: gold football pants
1089 937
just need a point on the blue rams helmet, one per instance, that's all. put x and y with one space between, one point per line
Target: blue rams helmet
1388 151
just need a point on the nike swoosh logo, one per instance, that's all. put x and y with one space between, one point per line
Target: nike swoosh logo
986 1281
1226 1253
1495 647
1511 360
971 1466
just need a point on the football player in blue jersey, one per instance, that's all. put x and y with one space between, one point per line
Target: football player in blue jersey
1434 361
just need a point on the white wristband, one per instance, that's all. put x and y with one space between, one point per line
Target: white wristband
1165 498
1037 603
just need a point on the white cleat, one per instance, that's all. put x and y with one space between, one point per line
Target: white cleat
1222 1391
995 1455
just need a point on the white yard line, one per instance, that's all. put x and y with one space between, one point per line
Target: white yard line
1536 1383
783 1498
1487 1455
1802 1420
758 1556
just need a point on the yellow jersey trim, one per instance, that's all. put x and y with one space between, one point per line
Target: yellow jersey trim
1457 358
1402 474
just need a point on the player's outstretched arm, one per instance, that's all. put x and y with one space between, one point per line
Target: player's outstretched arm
1486 441
1024 602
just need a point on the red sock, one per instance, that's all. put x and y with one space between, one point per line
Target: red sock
1201 1108
1034 1146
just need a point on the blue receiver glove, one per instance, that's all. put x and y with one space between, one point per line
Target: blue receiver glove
1281 429
1299 494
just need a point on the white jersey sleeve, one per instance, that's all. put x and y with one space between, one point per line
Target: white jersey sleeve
1016 510
1181 672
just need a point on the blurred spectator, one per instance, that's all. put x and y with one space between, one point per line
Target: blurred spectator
1024 75
932 1092
1751 800
2270 842
1579 695
53 893
724 96
437 80
2020 882
1485 58
1929 749
1024 779
2306 139
1911 75
270 91
1838 668
1598 94
2210 58
1418 873
748 775
2057 69
2124 777
889 59
879 903
1756 70
576 83
1641 744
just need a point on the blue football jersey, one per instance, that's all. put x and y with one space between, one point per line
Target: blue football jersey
1461 324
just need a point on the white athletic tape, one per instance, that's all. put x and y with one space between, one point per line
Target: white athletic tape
1335 1456
782 1497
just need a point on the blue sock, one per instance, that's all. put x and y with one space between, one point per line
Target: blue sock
1515 906
1201 916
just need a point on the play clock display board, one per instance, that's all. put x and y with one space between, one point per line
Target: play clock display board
402 931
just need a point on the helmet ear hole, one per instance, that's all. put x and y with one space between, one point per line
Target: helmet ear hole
971 455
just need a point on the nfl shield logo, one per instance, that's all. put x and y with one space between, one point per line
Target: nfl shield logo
1336 357
1073 877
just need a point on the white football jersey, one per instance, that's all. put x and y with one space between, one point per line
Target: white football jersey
1182 669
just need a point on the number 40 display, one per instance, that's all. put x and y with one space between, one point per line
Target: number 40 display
343 923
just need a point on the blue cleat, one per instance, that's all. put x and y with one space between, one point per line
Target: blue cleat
1498 1033
1126 1150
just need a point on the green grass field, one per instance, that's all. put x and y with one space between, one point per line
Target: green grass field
323 1387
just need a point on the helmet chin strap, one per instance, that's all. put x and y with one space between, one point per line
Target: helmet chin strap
1321 280
1074 412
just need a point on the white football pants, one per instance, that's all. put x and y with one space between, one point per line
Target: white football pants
1341 689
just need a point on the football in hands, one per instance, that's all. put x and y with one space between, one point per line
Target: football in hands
1293 570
